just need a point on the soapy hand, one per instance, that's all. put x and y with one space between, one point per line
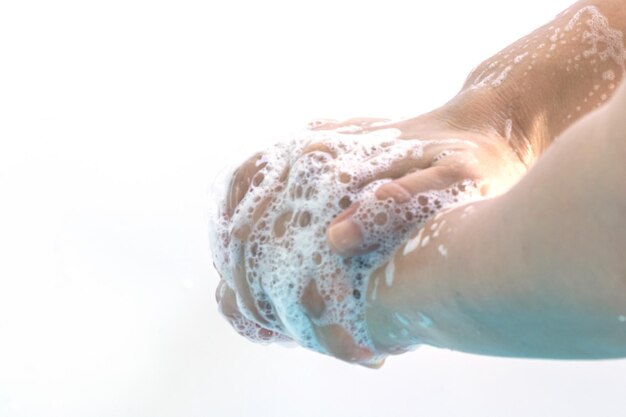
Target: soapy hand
253 317
236 301
270 204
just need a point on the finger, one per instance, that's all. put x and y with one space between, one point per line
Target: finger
448 168
427 187
229 309
244 295
340 344
243 178
345 214
338 238
396 169
219 291
423 155
334 338
228 302
245 327
362 125
312 301
346 238
403 189
374 364
319 147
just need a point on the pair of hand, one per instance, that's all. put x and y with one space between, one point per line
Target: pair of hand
452 160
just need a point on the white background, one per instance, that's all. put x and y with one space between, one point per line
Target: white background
114 118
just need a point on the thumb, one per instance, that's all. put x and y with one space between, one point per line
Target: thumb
399 207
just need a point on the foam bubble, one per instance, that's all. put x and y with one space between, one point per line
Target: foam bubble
608 75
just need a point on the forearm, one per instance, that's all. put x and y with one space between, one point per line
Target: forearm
535 88
537 272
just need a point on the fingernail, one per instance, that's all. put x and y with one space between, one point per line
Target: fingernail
344 236
393 190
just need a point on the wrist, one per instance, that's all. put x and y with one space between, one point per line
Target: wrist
503 117
537 87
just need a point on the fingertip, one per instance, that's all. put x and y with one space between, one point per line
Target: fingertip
340 344
393 190
363 355
345 214
312 301
344 237
228 302
219 291
377 364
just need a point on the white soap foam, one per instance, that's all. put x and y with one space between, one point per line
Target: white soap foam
520 58
604 41
608 75
274 238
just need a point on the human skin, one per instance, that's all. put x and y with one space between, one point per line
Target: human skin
546 102
551 80
470 159
527 98
537 272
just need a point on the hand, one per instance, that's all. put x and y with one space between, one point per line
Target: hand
233 298
481 159
295 201
251 312
253 317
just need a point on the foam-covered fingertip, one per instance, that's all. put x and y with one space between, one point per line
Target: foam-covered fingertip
345 236
394 191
